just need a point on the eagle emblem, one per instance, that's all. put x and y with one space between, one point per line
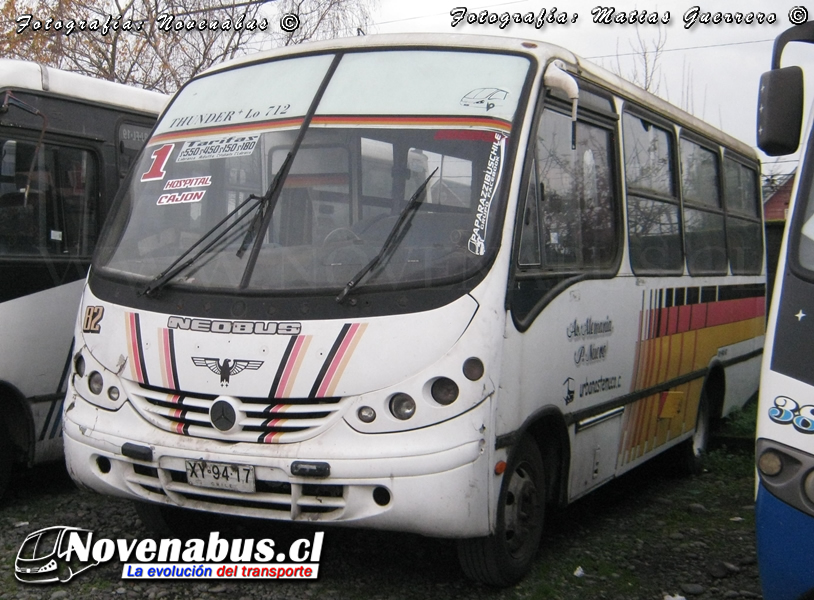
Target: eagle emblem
226 368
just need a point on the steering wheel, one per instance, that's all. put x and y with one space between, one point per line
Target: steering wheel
341 234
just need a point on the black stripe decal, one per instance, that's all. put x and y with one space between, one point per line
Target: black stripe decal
173 365
62 388
140 349
328 359
57 421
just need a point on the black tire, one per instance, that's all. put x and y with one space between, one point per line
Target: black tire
505 557
691 452
172 521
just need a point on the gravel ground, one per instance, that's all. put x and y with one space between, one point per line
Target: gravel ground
645 536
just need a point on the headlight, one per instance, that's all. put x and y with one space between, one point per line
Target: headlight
770 463
79 365
402 406
444 391
96 383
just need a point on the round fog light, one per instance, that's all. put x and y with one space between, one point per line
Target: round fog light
113 393
95 382
770 463
381 496
366 414
402 406
444 391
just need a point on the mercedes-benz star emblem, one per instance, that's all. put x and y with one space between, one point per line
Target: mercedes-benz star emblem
223 415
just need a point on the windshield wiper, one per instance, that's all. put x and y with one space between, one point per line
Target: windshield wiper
262 204
394 238
266 208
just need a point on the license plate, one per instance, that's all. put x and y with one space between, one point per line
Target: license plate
222 476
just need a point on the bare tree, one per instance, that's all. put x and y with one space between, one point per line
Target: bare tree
159 44
646 61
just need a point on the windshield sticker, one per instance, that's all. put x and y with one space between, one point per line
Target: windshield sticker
181 198
156 171
491 181
486 98
228 147
189 182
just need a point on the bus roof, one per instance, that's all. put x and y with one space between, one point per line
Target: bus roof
543 51
26 75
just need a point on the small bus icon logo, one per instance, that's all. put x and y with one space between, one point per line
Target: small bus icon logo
486 98
43 556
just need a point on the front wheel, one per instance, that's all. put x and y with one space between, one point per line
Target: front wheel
505 557
172 521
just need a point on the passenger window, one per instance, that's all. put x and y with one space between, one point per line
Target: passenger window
48 200
530 225
576 212
704 234
744 231
654 220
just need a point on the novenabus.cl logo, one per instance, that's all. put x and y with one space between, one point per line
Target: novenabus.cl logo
46 555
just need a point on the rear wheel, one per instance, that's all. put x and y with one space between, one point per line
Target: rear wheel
505 557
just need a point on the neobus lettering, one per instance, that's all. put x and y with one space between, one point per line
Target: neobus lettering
258 327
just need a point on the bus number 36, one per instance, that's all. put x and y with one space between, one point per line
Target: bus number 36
786 410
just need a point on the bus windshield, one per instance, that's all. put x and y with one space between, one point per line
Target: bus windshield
386 122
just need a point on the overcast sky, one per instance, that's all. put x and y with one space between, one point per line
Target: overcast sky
711 70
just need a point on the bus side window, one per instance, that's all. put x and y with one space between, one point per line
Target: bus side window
743 228
530 226
654 220
577 209
58 212
704 236
131 138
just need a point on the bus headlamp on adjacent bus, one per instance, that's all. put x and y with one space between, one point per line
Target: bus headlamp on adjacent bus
365 298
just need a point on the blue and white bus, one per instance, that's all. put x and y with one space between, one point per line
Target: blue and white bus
785 444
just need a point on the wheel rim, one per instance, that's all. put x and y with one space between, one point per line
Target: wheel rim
521 512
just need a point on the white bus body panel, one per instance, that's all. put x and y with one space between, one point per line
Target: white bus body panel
41 326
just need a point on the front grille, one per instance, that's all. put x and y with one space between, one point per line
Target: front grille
260 420
271 499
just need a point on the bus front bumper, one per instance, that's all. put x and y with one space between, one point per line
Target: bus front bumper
430 488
